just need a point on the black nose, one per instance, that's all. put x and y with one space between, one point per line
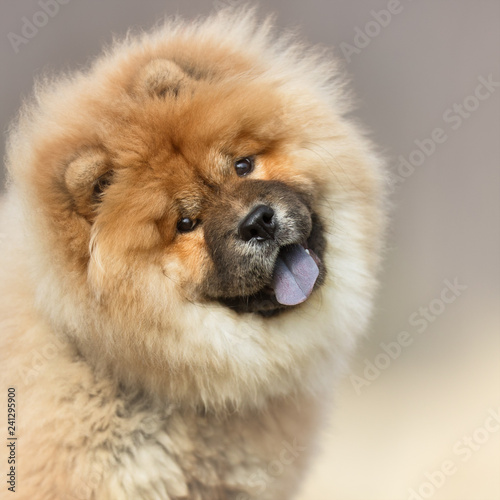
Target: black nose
259 224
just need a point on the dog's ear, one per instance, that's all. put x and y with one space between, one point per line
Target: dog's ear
161 78
87 177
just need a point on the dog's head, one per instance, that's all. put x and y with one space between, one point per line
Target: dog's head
207 222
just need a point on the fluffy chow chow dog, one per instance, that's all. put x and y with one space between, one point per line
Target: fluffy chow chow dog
190 238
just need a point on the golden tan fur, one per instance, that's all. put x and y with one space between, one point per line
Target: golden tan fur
130 383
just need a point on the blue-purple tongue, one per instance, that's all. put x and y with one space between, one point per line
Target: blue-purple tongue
294 275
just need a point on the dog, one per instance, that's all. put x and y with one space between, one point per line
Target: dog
191 236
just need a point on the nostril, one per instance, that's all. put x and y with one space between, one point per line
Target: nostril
258 225
267 218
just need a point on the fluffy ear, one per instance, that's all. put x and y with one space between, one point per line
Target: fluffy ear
161 77
86 177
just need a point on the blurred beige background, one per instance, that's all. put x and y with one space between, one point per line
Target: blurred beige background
420 417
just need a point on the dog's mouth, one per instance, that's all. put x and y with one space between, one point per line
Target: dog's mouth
298 271
269 259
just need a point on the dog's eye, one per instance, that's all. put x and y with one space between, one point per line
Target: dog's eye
186 224
244 166
100 186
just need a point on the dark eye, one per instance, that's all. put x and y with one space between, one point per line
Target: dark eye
100 186
186 225
244 166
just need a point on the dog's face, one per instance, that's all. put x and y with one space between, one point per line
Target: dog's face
183 199
201 177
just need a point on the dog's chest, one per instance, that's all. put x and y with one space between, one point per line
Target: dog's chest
178 455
